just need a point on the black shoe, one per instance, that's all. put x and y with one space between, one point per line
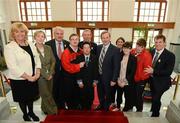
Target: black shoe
26 118
127 109
79 107
99 107
33 116
155 115
139 110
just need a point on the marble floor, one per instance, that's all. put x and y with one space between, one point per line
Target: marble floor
133 117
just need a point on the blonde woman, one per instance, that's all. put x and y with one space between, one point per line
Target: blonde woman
45 81
24 66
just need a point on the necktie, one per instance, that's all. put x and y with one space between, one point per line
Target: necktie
101 58
59 50
87 61
155 59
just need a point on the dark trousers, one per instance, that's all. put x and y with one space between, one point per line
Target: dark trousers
119 95
86 96
104 93
129 94
139 87
71 92
157 93
58 90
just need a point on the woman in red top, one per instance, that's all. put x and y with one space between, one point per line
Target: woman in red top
144 59
70 71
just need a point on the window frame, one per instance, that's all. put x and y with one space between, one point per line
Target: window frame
160 9
25 9
145 35
81 9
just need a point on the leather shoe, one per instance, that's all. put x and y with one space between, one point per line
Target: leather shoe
155 115
33 116
26 118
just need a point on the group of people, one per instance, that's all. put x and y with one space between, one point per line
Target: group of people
64 73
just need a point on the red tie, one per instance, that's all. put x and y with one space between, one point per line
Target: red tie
59 50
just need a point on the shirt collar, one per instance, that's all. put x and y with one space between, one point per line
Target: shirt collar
160 51
75 50
106 46
57 42
87 55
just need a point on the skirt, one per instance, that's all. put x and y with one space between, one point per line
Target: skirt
24 91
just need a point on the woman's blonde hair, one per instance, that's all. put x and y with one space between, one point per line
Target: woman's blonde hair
37 32
18 26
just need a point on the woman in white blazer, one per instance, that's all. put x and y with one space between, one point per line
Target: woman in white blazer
24 66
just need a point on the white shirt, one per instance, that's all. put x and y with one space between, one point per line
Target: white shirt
106 48
160 52
19 61
87 56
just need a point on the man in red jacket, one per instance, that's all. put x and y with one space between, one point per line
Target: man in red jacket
144 59
70 71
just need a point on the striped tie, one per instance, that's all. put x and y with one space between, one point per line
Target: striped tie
155 59
101 58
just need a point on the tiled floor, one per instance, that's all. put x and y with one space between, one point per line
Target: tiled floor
134 117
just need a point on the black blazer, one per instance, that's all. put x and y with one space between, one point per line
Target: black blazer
111 63
88 73
163 69
93 47
52 44
131 68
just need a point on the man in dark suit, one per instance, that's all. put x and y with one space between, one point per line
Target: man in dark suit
109 64
58 44
163 64
87 78
87 37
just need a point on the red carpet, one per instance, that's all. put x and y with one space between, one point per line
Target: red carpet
71 116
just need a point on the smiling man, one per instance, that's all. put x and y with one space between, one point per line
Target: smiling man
109 64
162 67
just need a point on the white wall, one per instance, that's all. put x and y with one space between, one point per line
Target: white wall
173 15
9 11
121 10
64 10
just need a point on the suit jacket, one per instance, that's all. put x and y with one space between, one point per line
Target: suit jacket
163 69
19 61
47 62
89 72
93 47
52 44
131 68
111 63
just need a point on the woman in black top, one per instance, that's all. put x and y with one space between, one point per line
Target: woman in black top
24 66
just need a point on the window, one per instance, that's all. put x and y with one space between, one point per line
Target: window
92 10
96 35
47 32
148 35
150 11
31 10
